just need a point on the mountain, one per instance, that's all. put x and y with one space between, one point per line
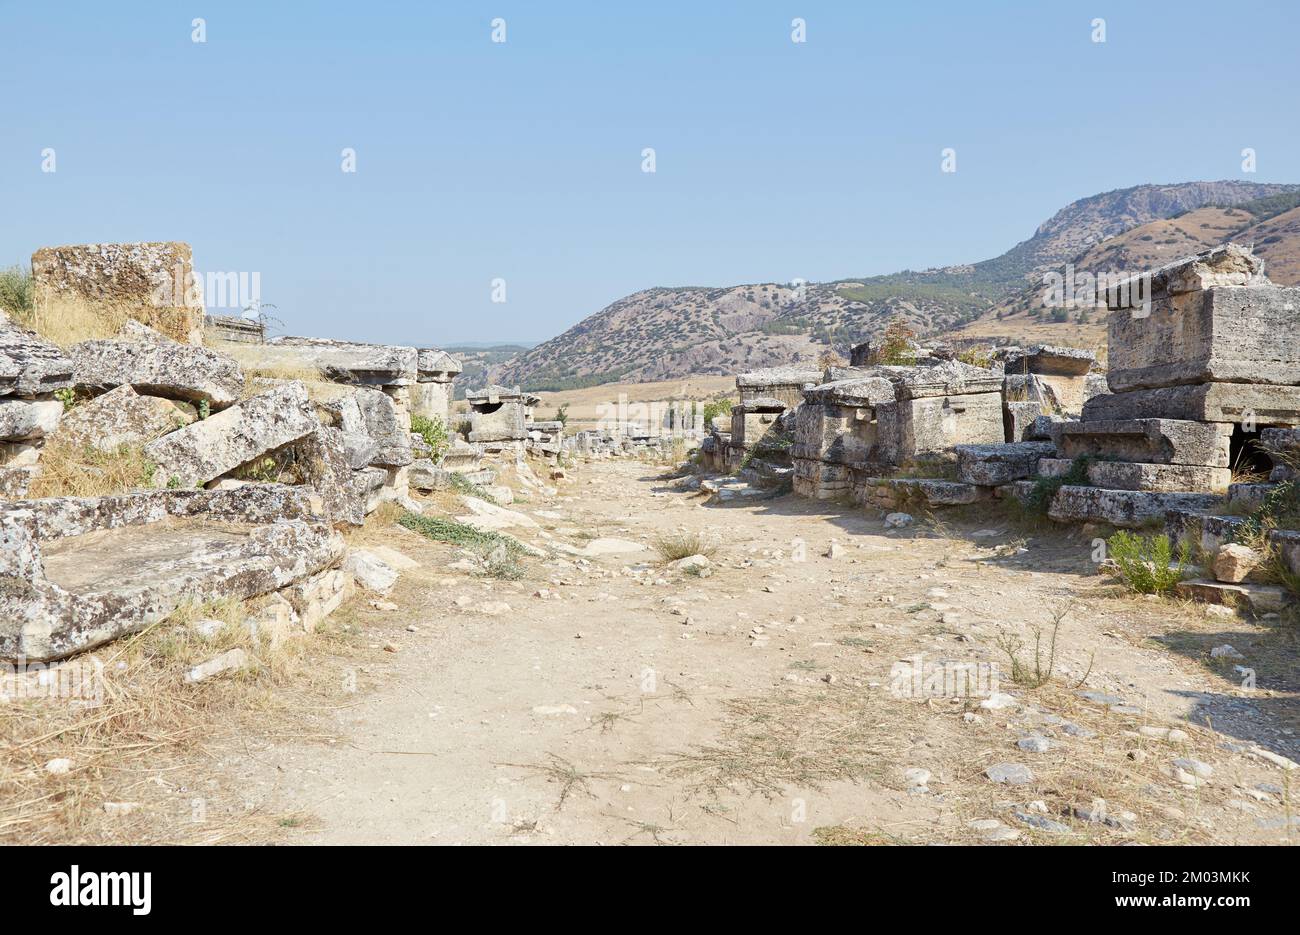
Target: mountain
1271 224
664 333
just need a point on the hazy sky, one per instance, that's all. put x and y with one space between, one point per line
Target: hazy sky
522 160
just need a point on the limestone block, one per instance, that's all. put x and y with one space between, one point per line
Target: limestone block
993 465
217 445
172 370
152 282
124 417
1228 334
1133 475
23 419
1205 402
30 365
1126 508
1155 441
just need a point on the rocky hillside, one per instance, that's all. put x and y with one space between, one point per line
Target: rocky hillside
663 333
1271 224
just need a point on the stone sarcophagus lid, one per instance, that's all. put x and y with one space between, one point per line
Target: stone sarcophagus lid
784 383
499 414
1212 318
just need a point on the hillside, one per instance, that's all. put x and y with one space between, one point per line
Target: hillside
665 333
1275 236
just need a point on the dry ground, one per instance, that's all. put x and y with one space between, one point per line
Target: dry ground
632 703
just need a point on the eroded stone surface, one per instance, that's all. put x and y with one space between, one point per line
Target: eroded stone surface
30 365
124 417
217 445
1155 441
172 370
22 419
993 465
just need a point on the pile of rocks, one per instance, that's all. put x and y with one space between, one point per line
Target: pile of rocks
251 479
32 371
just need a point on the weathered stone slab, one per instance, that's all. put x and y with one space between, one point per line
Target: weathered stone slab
1125 508
342 361
217 445
1155 441
172 370
784 383
915 428
1019 419
1050 359
123 417
58 517
425 475
992 465
1260 598
30 365
92 589
389 424
323 462
821 481
1251 496
939 492
1228 265
826 431
862 392
22 419
1132 475
1206 402
1204 531
152 282
434 365
368 483
14 481
1229 334
1283 449
950 378
319 596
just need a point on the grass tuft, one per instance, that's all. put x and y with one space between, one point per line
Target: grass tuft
678 545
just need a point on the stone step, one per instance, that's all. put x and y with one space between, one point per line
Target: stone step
1202 402
1157 478
1260 598
993 465
1150 441
1123 508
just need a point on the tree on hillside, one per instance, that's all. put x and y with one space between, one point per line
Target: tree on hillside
896 346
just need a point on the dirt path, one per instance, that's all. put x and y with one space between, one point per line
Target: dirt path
636 704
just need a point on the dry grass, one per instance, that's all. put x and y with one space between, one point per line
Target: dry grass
256 370
70 470
677 545
67 318
146 740
801 739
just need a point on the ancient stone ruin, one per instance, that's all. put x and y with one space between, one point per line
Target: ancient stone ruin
1203 386
251 464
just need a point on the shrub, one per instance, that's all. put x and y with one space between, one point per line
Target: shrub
16 293
1146 563
1040 498
681 544
454 533
896 346
434 433
716 407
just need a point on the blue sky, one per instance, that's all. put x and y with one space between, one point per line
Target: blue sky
522 160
